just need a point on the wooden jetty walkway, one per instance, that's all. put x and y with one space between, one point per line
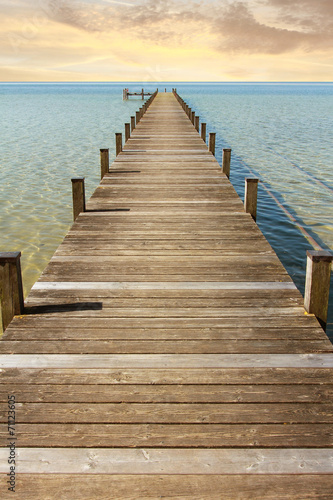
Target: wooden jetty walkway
165 352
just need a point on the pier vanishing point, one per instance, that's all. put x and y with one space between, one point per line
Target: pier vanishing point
164 352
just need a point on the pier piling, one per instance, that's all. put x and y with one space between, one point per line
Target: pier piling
119 143
11 289
212 138
250 199
226 159
203 131
104 153
317 284
79 197
127 131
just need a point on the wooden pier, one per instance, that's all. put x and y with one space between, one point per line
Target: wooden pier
142 94
165 352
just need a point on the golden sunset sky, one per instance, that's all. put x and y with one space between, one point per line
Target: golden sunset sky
166 40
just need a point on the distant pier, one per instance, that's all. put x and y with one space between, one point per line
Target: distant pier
142 94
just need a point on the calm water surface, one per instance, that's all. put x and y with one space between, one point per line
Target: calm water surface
280 133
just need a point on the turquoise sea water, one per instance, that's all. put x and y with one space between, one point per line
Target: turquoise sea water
280 133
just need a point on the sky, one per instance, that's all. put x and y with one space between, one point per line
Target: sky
166 40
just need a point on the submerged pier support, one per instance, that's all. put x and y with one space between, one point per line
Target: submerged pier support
11 289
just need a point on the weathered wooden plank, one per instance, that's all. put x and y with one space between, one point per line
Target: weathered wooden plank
134 393
108 334
172 435
166 461
57 320
194 487
165 285
167 361
173 376
170 413
165 346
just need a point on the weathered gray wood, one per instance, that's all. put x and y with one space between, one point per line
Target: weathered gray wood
226 159
317 286
104 154
250 198
167 361
212 137
253 285
166 461
11 289
79 197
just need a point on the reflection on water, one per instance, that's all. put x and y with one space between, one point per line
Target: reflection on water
51 133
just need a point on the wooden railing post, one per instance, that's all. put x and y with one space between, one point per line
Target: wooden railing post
11 289
203 131
137 116
119 143
127 131
250 199
104 162
79 197
189 112
226 159
197 123
132 123
193 117
317 284
212 136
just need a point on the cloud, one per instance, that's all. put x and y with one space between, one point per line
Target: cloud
270 27
234 25
240 31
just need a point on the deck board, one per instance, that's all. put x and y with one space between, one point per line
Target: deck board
165 351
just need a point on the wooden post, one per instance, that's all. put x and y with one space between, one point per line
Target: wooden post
137 115
104 162
193 117
132 123
143 94
317 284
11 289
203 131
119 143
127 131
79 197
251 194
226 159
189 112
197 120
212 136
